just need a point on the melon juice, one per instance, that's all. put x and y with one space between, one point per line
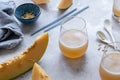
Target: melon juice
110 67
73 43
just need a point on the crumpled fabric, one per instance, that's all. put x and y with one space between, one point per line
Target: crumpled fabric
10 31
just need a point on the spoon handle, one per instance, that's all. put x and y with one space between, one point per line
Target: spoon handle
113 39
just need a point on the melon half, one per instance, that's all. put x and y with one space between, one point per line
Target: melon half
40 1
38 73
25 61
64 4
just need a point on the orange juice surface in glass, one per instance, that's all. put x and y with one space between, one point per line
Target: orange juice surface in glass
73 43
110 67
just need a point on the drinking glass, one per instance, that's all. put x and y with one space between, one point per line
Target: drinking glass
116 10
110 63
73 40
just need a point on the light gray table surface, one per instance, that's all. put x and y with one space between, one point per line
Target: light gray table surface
53 62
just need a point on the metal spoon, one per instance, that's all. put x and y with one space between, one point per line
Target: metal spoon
108 28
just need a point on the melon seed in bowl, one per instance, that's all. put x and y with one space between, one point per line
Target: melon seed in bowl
28 15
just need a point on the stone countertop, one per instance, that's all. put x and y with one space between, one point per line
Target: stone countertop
53 62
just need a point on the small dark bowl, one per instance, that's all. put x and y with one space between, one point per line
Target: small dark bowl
27 8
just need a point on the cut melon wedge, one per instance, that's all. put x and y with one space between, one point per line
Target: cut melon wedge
25 61
64 4
40 1
39 74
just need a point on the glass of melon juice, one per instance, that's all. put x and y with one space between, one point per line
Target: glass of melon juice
110 64
73 40
116 10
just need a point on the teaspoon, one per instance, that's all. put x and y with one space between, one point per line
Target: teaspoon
101 36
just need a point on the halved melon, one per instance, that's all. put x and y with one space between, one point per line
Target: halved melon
25 61
64 4
39 74
41 1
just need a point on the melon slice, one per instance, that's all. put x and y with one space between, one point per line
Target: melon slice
64 4
40 1
25 61
39 74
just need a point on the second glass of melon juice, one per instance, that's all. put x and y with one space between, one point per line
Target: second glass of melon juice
110 64
116 10
73 41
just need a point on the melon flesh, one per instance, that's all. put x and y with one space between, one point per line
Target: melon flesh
64 4
39 74
41 1
25 61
